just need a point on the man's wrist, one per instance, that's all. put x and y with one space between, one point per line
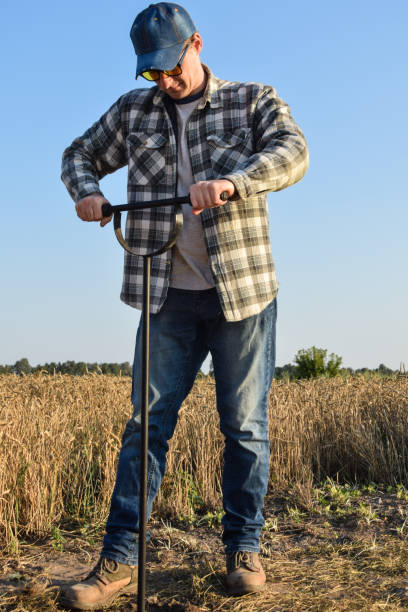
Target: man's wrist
86 193
234 195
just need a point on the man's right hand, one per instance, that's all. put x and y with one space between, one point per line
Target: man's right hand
90 208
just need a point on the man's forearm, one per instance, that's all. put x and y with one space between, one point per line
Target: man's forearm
98 152
78 173
271 171
281 155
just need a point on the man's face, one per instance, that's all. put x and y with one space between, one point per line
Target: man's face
192 78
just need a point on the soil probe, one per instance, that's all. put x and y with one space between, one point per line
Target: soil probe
107 211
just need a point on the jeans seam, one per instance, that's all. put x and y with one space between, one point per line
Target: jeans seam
168 411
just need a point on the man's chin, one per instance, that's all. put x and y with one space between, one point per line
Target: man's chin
177 95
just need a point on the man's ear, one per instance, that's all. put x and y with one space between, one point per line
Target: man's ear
197 42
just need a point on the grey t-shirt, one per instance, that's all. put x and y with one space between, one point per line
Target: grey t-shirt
190 269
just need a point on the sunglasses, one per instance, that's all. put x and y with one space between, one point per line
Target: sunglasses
154 75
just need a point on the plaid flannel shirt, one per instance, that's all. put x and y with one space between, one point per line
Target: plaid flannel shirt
241 132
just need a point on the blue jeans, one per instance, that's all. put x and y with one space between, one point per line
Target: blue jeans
189 325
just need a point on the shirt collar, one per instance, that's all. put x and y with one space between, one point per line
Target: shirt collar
210 96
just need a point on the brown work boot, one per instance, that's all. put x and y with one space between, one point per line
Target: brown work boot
244 573
106 582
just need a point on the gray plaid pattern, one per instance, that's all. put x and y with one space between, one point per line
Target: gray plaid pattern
241 132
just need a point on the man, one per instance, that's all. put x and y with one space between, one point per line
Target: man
214 292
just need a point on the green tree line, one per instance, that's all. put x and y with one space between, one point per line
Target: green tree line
75 368
308 363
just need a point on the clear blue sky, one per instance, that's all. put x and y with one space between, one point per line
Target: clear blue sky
338 237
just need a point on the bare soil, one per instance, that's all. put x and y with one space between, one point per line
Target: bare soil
343 556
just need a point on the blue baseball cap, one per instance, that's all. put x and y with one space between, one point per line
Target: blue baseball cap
158 34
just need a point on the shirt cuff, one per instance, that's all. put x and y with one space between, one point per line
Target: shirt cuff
241 184
86 190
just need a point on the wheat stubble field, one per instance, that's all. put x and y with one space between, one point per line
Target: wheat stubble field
336 531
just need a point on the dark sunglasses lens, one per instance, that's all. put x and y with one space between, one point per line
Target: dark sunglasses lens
174 72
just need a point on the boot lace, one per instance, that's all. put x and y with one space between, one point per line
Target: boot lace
239 559
103 567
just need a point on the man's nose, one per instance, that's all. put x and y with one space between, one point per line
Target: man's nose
165 81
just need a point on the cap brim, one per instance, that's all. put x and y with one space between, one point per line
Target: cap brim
162 59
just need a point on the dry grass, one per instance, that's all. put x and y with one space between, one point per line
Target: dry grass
60 436
326 545
354 428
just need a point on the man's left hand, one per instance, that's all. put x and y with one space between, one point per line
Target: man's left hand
206 194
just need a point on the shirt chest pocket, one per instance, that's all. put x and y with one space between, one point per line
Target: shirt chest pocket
229 150
146 158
